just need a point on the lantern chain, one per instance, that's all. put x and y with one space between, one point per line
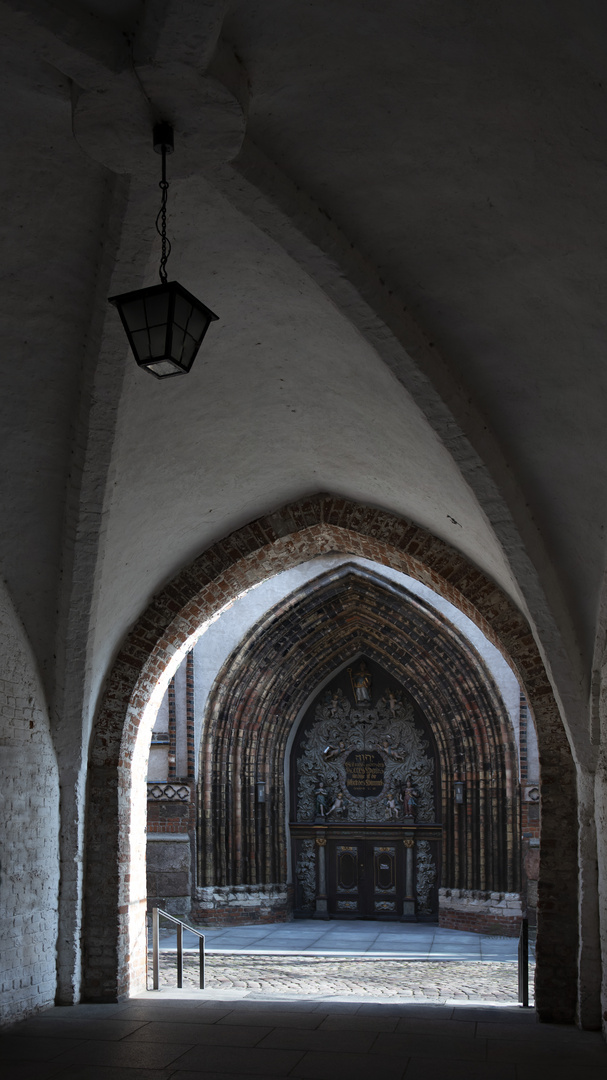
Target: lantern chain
161 220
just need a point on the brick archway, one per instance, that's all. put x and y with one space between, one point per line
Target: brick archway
114 939
262 688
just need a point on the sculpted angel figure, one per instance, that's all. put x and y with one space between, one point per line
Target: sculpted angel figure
331 752
391 806
390 752
392 700
334 701
338 806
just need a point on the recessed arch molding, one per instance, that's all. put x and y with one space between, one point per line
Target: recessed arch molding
114 938
264 685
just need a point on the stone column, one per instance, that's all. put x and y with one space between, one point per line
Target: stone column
589 1011
321 896
409 901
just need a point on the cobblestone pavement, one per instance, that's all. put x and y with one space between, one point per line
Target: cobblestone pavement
380 979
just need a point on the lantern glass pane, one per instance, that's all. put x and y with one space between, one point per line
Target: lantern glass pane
188 351
177 344
183 310
141 345
197 324
162 368
134 315
157 340
157 308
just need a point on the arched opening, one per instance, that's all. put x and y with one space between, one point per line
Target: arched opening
115 891
274 686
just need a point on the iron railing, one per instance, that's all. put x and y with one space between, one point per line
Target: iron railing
156 913
523 964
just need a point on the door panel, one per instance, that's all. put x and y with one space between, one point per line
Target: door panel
385 871
365 879
344 879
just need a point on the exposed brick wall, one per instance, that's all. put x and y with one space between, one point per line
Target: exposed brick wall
480 912
115 949
237 915
170 865
29 850
169 817
480 922
242 904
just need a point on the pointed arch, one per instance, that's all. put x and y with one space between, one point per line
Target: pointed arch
262 690
115 891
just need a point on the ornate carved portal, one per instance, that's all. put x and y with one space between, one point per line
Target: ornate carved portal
364 774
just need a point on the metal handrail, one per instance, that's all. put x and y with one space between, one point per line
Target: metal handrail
156 913
523 964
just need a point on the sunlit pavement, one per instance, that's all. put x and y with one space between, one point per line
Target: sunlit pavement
411 941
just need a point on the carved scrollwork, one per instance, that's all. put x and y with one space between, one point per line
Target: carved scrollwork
388 732
426 877
306 874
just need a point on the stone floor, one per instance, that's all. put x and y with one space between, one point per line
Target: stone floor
346 960
197 1036
347 978
412 941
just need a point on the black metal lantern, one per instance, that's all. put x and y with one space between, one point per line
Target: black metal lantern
165 324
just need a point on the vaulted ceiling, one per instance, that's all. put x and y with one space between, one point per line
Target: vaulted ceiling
397 211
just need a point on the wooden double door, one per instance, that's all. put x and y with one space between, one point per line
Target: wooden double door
366 879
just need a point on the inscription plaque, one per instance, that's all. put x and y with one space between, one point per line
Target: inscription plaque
364 773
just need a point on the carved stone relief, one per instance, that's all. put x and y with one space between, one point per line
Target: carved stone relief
370 763
306 874
426 877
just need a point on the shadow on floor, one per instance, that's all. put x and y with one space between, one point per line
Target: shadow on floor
178 1036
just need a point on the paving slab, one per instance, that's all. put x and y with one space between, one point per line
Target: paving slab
53 1027
211 1034
123 1054
352 936
104 1072
195 1038
327 1039
226 1059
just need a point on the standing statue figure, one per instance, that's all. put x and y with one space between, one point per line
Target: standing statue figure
409 799
361 684
392 701
391 807
321 801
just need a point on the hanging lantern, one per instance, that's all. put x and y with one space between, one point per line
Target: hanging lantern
164 324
